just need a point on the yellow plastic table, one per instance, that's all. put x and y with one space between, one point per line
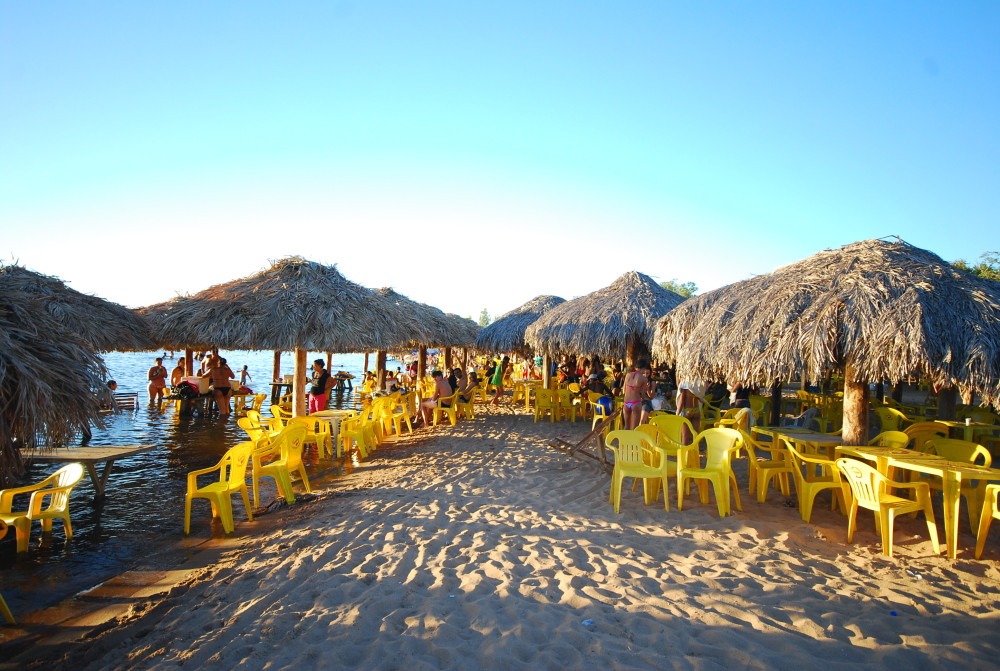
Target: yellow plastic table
89 457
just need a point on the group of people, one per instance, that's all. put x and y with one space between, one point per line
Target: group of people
444 388
213 367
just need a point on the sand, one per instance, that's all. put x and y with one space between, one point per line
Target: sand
481 547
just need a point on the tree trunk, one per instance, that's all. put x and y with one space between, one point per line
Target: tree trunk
855 409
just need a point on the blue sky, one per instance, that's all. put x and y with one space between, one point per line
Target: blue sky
476 154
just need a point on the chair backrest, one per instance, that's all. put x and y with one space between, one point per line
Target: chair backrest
751 445
921 432
543 396
289 442
891 439
866 482
891 419
960 450
235 461
651 431
62 481
258 401
628 445
672 427
254 431
574 387
720 443
280 415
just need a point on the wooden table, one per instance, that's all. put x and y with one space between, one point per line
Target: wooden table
89 457
278 390
952 473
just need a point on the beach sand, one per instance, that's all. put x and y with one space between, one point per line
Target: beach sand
481 547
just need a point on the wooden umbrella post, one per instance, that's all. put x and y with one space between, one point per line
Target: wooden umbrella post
276 369
298 389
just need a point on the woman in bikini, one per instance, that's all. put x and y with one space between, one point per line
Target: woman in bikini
636 390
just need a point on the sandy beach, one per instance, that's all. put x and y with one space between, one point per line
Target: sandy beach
480 546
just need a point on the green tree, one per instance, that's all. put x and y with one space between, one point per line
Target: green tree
484 318
988 266
687 289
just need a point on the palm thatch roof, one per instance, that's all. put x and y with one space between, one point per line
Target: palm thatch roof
104 325
48 375
506 334
609 322
432 326
464 332
885 308
294 304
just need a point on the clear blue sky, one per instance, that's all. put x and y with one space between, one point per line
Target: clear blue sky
477 154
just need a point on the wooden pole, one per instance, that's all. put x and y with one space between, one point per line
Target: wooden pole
776 403
947 399
276 369
421 363
447 358
855 409
380 368
365 367
298 388
329 362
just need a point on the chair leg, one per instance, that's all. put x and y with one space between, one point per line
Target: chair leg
5 611
984 528
932 526
886 522
187 515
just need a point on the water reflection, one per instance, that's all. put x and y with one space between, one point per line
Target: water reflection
145 502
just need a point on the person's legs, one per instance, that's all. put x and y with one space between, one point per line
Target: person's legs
222 402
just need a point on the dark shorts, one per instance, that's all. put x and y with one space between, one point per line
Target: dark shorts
224 390
647 405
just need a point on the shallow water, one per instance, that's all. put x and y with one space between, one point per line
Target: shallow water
145 495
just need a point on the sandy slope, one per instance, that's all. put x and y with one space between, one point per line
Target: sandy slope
479 546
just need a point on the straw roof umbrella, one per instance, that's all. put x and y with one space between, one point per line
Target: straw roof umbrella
106 326
48 376
876 309
295 305
616 321
506 333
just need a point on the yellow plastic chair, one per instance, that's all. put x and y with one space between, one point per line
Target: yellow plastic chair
894 439
634 452
255 403
254 431
873 491
466 408
317 433
720 445
891 419
764 463
566 404
394 414
736 418
357 433
666 464
450 410
675 428
921 432
278 457
281 414
545 404
49 500
4 609
813 475
990 510
231 469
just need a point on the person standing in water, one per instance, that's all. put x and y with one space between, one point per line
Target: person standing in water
157 377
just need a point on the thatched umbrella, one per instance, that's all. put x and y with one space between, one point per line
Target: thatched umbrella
876 309
506 333
295 305
106 326
48 376
616 321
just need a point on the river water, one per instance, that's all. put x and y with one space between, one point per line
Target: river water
144 505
